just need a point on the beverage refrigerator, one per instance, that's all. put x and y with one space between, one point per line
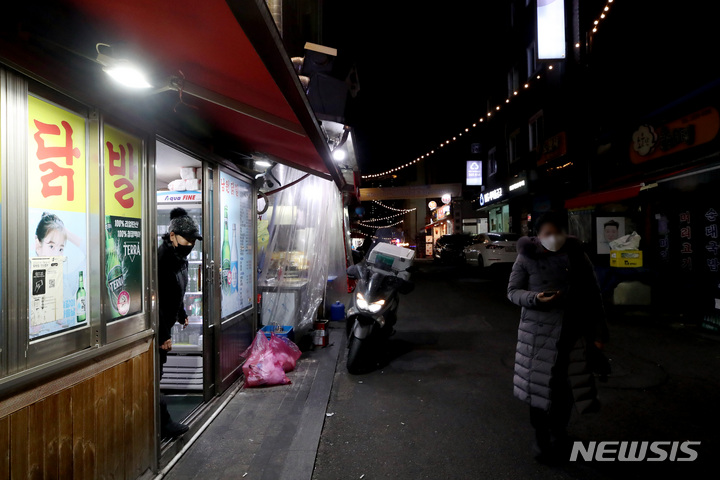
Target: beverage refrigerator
184 367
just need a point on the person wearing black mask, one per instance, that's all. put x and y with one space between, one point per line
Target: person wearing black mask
177 244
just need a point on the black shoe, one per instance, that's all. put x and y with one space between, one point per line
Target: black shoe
174 429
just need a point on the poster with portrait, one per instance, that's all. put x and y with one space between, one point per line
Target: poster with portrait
608 229
57 215
237 207
123 224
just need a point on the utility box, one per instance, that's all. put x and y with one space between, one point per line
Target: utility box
626 258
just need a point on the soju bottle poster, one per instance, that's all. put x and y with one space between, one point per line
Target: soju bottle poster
236 250
123 272
57 218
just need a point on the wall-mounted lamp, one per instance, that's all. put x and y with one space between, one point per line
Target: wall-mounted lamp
122 70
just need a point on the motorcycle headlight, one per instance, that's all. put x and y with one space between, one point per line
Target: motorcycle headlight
362 304
376 306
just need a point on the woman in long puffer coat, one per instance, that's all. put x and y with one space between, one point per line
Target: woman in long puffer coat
562 323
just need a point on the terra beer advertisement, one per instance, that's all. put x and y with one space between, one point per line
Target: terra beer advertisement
57 219
123 224
236 204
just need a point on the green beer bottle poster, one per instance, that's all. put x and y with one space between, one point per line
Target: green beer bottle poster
123 224
226 271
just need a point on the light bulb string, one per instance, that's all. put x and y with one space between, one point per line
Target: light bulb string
489 114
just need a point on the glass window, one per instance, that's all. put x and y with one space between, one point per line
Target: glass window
535 131
123 267
531 59
513 147
57 219
492 161
237 273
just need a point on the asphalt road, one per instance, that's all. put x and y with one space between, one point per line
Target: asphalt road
442 406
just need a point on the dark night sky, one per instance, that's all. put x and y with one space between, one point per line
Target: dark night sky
420 71
423 71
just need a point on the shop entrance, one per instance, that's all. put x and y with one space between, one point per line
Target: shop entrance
499 219
185 375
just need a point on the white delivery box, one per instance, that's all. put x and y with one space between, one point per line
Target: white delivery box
385 255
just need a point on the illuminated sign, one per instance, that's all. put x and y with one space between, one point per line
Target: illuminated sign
473 175
491 196
446 198
550 29
517 185
432 205
443 212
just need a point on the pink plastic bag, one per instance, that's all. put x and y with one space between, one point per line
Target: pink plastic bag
286 352
262 366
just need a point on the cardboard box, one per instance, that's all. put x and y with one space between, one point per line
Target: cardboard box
626 258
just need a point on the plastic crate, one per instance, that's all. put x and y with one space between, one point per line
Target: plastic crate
287 331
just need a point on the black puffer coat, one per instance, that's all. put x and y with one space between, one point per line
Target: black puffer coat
172 283
565 327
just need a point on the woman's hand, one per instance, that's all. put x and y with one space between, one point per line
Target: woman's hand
542 298
167 346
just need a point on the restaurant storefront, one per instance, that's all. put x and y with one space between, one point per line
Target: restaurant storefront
90 171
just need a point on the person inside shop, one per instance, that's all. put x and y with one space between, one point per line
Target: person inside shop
177 244
562 329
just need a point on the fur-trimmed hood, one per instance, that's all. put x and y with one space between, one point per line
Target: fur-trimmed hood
531 246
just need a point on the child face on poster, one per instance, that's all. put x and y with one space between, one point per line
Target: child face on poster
50 236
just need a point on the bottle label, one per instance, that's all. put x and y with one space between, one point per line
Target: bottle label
80 307
234 278
115 285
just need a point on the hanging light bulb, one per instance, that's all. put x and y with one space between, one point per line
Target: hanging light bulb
507 100
526 85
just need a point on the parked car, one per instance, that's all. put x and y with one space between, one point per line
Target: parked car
492 248
449 248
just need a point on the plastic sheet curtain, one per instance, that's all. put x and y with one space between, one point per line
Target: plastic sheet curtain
301 248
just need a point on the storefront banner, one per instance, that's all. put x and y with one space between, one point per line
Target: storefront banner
123 224
236 279
57 214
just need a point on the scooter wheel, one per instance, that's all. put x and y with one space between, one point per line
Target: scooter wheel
354 358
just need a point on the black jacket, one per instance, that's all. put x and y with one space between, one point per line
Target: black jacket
172 283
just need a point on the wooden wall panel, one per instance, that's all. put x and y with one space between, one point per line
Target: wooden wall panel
101 427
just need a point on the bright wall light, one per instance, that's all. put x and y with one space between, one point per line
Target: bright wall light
128 75
339 155
262 163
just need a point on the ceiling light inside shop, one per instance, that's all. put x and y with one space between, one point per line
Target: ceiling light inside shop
339 155
262 163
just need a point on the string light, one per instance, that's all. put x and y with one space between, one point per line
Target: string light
403 210
362 224
596 22
394 215
452 139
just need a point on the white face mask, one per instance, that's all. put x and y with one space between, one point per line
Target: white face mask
553 242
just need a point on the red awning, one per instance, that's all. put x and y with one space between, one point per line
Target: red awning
205 41
608 196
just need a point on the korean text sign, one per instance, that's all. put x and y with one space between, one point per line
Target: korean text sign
122 176
57 217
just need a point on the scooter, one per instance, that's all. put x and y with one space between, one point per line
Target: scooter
380 278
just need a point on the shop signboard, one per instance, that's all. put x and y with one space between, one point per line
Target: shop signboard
551 29
491 196
552 148
653 141
473 172
238 238
179 197
57 219
123 278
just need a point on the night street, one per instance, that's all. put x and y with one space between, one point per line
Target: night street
443 406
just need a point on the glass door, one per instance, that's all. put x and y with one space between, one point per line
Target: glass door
210 280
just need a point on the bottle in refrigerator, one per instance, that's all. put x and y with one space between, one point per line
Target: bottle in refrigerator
234 260
114 277
80 303
226 273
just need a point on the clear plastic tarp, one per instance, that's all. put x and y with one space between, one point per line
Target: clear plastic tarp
301 250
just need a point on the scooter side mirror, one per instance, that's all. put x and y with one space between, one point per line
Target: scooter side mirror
353 272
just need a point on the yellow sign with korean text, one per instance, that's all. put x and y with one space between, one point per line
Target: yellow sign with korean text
122 173
56 163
